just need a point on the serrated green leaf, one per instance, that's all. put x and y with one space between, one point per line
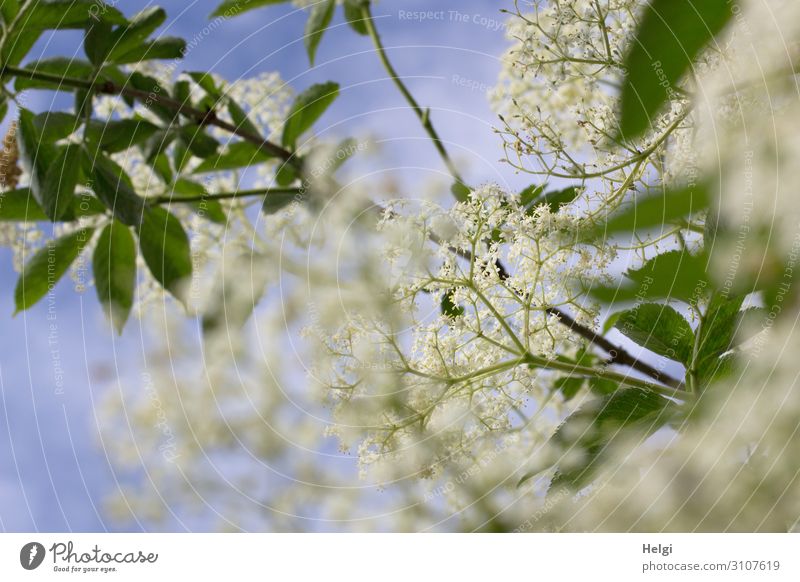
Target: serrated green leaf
165 250
60 181
671 275
670 36
316 25
716 334
598 424
586 434
660 329
232 8
114 267
306 110
658 211
41 273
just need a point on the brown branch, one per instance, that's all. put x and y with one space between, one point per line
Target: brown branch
148 97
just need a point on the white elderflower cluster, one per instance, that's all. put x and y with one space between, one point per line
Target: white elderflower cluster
558 97
430 364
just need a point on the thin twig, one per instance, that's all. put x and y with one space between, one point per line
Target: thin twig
158 200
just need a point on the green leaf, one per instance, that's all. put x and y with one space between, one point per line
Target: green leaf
97 42
166 47
555 199
114 267
569 386
55 125
61 66
534 196
660 329
156 144
716 334
528 197
231 8
20 206
60 182
8 10
316 25
118 135
657 211
41 273
286 174
354 16
198 141
276 201
240 119
154 88
671 275
208 208
36 156
460 191
670 36
132 35
61 14
206 82
306 110
165 249
449 307
113 187
162 167
586 434
236 155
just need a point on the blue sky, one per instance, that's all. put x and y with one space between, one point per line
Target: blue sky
52 371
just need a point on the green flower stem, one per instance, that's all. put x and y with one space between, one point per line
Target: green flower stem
422 114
